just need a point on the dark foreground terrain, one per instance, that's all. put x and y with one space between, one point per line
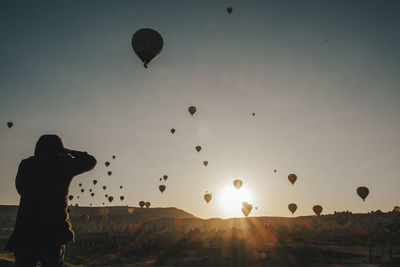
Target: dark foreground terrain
172 237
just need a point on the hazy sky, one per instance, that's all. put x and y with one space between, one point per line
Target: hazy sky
322 77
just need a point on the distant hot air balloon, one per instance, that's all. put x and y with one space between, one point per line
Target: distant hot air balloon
207 197
160 179
120 187
94 182
147 45
90 190
122 198
130 210
253 114
90 204
317 209
275 170
103 211
113 157
172 130
10 124
192 110
70 197
292 178
148 204
205 163
109 173
106 195
85 218
107 163
246 208
110 199
198 148
165 177
363 192
229 10
77 196
104 187
92 194
162 188
256 208
237 184
292 207
82 190
141 203
80 185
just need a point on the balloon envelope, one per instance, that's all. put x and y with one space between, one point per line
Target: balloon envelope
107 163
147 45
246 208
363 192
205 163
110 199
70 197
192 110
162 188
317 209
198 148
207 197
10 124
172 131
292 178
141 203
94 182
109 173
229 10
237 184
122 198
292 207
165 177
104 187
113 157
148 204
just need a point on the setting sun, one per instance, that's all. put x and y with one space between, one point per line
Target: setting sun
231 199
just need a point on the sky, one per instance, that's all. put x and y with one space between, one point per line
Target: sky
322 77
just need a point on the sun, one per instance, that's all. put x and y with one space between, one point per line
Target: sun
231 199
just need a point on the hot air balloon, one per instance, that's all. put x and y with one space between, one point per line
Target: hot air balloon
147 44
229 10
120 187
237 184
148 204
198 148
103 211
106 195
162 188
94 182
192 110
246 208
113 157
103 203
172 131
92 194
130 210
10 124
110 199
80 185
107 163
122 198
292 207
253 114
82 190
141 204
109 173
85 218
292 178
90 190
207 197
77 196
104 187
165 177
275 170
90 204
205 163
317 209
160 179
256 208
363 192
70 197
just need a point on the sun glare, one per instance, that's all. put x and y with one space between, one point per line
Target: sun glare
231 200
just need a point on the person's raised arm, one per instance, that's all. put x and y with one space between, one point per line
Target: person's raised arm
81 161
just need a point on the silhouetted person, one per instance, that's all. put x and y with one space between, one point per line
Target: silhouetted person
43 227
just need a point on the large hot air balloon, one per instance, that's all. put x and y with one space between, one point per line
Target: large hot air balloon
10 124
70 197
205 163
122 198
109 173
317 209
198 148
147 44
162 188
165 177
292 207
107 163
207 197
85 218
292 178
130 210
363 192
172 130
229 10
148 204
141 203
237 184
94 182
246 208
110 199
104 187
192 110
